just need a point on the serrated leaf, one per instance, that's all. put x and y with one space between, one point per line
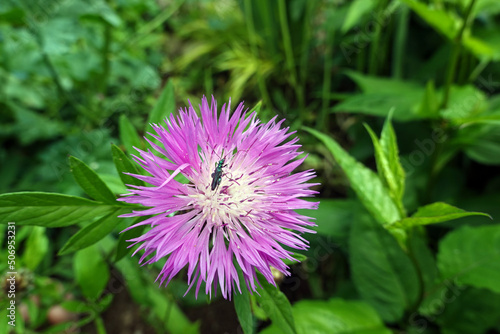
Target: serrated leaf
277 307
334 316
389 145
36 249
436 213
165 104
50 210
243 307
90 182
367 185
383 273
470 256
128 134
91 271
124 165
92 233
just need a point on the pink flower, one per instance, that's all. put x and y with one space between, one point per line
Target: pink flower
245 220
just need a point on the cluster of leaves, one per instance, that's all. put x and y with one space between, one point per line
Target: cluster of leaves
387 256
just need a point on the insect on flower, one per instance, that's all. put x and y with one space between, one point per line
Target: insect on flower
240 214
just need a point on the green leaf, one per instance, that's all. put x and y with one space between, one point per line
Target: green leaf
124 165
417 246
173 318
334 316
389 145
92 233
367 185
128 134
357 9
91 271
90 182
471 311
390 171
380 95
122 246
470 256
383 273
334 216
436 213
165 104
429 105
277 307
243 307
50 210
36 249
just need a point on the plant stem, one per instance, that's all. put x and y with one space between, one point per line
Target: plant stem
322 122
400 42
253 47
290 61
455 54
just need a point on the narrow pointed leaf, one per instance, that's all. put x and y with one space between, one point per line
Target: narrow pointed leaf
389 145
243 307
90 182
277 307
165 104
128 135
434 213
50 210
124 165
92 233
367 185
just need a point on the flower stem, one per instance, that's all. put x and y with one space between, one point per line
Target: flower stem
290 61
455 54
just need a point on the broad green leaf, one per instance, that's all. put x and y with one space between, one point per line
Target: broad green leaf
425 261
276 306
383 273
449 24
436 213
464 102
36 249
91 271
334 216
128 135
470 256
243 307
471 311
164 106
380 95
367 185
357 10
444 22
92 233
90 182
122 246
124 165
50 210
334 316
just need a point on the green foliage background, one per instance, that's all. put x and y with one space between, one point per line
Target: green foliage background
396 102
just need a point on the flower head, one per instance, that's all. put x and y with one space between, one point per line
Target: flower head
238 207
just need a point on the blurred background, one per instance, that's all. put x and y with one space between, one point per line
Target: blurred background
77 75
